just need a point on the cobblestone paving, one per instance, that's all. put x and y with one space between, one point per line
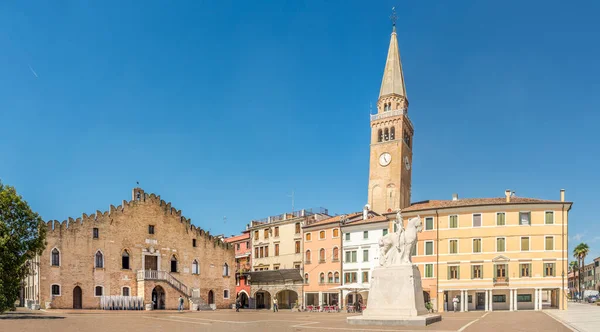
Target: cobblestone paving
250 320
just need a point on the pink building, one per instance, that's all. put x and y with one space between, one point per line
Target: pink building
243 251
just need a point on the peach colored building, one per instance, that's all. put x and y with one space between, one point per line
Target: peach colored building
322 264
243 254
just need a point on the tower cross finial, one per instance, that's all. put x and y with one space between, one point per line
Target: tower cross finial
393 18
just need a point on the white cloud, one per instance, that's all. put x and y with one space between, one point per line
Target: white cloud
577 237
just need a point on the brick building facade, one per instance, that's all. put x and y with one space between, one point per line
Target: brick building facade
143 248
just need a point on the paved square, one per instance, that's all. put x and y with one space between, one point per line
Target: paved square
262 320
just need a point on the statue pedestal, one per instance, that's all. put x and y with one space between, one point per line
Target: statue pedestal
396 298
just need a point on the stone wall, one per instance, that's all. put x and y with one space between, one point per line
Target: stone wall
126 227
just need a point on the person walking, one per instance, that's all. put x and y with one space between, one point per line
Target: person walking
455 302
275 309
237 305
180 303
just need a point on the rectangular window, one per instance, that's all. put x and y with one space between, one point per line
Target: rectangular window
350 277
276 231
256 253
428 248
266 251
501 270
414 250
453 272
266 233
548 269
428 223
125 291
365 234
348 256
150 229
549 218
194 243
549 243
365 255
55 290
225 294
477 272
256 235
525 270
477 220
262 252
500 219
321 235
476 245
347 236
525 243
525 218
428 270
247 244
297 247
276 249
98 290
385 231
499 298
523 297
365 276
500 244
95 233
453 246
336 232
354 256
453 222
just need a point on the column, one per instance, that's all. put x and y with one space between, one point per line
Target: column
540 298
511 302
491 300
467 300
535 299
487 303
515 305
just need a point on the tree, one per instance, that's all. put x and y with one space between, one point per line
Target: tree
580 252
22 237
573 266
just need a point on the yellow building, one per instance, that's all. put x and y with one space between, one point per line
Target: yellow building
507 253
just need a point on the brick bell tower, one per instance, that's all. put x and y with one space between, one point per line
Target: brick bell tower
390 163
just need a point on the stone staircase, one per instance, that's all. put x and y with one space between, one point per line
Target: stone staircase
192 295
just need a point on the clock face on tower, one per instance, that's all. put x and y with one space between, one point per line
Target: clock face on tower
385 159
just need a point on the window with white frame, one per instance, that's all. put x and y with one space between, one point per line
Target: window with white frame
428 270
453 221
525 218
428 223
549 218
225 270
549 243
99 259
55 290
195 267
428 248
453 247
477 220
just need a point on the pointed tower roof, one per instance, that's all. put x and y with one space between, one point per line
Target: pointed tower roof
393 78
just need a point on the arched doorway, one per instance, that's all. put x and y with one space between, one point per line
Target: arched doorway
211 297
243 299
158 297
286 299
263 300
77 298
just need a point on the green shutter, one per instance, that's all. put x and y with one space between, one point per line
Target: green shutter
448 277
458 272
545 269
481 272
472 271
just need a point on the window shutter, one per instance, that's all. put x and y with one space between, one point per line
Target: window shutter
458 272
449 276
481 272
472 271
507 270
545 269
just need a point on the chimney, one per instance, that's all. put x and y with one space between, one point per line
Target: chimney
507 192
455 197
366 211
562 195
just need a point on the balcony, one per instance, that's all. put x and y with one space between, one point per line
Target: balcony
390 114
500 281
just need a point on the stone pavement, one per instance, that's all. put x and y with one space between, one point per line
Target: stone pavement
581 317
261 320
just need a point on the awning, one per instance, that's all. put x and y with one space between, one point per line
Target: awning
275 275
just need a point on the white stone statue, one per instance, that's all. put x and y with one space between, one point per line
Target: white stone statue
396 248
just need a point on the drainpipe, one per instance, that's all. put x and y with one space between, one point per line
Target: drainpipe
563 256
437 258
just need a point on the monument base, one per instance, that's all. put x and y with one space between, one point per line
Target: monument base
395 321
396 298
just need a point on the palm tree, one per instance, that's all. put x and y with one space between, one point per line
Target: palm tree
573 266
580 252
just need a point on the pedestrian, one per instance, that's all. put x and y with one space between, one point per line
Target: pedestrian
237 305
275 309
180 303
455 302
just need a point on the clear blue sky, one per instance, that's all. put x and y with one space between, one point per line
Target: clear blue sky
225 107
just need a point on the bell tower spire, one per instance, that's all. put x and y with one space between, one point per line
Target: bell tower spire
390 164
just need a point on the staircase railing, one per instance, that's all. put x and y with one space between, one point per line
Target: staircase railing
164 276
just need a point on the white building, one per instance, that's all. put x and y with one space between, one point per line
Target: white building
360 245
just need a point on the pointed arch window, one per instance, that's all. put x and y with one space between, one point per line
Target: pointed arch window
321 255
55 257
336 277
322 278
195 267
225 270
386 134
99 259
173 263
306 278
392 134
307 259
125 260
379 135
330 277
336 254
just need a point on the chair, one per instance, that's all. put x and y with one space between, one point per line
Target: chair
363 307
309 308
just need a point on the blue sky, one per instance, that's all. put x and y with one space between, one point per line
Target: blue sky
225 107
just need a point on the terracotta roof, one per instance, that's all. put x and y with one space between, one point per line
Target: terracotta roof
441 204
335 219
236 238
367 221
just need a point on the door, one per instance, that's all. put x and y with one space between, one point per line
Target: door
77 297
211 297
480 301
151 263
